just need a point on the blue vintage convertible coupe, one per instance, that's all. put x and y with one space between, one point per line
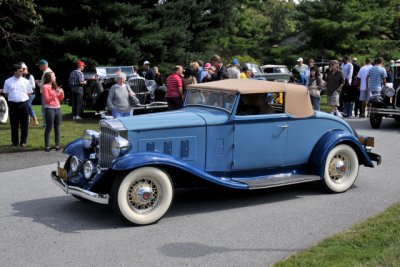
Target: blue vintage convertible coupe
242 134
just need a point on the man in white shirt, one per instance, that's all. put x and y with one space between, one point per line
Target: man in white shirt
17 89
364 94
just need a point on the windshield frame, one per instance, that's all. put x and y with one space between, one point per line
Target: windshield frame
194 95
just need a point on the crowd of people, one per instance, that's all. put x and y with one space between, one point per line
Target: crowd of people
349 87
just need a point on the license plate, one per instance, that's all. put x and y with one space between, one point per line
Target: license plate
62 174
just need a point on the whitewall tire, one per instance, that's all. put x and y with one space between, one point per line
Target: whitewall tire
341 169
3 110
143 196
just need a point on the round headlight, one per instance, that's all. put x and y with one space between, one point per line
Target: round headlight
88 169
389 92
90 138
75 164
119 146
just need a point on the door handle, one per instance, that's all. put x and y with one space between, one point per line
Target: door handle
284 126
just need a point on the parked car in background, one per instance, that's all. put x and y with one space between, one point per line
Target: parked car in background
99 82
230 133
279 73
274 69
387 104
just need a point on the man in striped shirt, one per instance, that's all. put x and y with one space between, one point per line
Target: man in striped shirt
174 85
376 77
76 80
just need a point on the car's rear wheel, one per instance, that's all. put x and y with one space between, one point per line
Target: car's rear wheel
375 120
341 169
143 196
3 110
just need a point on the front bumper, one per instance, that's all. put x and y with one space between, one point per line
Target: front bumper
385 111
375 157
77 191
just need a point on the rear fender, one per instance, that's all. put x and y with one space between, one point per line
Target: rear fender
328 142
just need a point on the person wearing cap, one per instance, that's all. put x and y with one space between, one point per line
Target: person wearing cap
31 80
334 84
44 67
76 81
300 67
148 73
17 90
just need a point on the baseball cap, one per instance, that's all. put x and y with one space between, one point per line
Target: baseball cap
23 65
80 63
354 59
146 63
235 61
42 62
299 59
207 66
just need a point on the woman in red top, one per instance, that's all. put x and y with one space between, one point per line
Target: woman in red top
52 95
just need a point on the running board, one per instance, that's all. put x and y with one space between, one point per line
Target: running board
276 180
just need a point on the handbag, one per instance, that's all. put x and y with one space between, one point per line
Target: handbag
133 100
314 89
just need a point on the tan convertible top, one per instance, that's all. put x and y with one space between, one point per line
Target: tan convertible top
297 102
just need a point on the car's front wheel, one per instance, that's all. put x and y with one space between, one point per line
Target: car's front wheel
341 169
143 196
3 110
375 120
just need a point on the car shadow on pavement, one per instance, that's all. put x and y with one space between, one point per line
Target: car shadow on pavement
69 215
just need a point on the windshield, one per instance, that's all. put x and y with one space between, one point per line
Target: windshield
113 71
214 99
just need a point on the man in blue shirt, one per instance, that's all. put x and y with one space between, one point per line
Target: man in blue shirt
376 77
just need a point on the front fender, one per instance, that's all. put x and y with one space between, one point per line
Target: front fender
328 142
76 148
141 159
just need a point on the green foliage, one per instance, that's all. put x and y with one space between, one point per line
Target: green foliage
171 32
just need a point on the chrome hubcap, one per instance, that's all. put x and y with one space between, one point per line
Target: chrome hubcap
339 167
144 195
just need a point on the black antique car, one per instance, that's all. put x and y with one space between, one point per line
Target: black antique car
386 104
98 83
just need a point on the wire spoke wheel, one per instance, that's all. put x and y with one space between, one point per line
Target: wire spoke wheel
341 169
143 196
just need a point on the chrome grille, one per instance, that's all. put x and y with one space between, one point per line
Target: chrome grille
109 129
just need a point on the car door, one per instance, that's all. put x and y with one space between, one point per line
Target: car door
259 141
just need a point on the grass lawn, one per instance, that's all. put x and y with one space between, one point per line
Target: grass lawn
375 242
70 130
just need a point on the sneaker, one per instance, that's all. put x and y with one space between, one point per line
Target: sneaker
23 145
73 118
338 114
78 118
47 149
58 148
